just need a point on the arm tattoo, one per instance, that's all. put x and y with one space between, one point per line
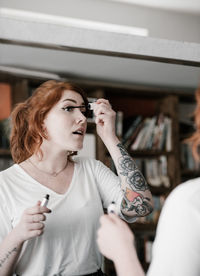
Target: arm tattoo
133 199
129 169
2 261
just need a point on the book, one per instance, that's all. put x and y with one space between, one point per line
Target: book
148 133
169 134
131 129
119 123
140 136
155 171
134 135
152 172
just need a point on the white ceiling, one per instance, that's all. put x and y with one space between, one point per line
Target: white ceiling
192 6
98 67
127 71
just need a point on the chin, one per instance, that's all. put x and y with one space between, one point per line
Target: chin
78 147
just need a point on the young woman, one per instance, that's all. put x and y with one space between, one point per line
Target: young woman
47 129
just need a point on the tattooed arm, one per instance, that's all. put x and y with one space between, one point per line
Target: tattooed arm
30 226
9 253
137 196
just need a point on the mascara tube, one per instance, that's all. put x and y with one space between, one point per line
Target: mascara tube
45 200
91 105
112 208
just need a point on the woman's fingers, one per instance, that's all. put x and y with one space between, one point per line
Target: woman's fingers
35 218
37 209
31 223
35 233
102 108
35 226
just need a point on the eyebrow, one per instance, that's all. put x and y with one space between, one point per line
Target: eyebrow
71 100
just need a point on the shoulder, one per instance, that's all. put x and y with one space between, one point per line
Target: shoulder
186 192
7 178
182 205
6 173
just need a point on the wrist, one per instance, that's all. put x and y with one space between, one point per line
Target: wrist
15 238
128 264
112 140
125 253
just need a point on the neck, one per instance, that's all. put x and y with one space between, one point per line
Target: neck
51 163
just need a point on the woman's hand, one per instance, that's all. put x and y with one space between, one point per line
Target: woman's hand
105 119
114 238
31 224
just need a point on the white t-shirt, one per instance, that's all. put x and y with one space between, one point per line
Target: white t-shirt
68 245
176 250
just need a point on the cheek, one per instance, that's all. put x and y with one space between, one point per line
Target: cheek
59 128
54 121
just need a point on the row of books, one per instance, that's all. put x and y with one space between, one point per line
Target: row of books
149 133
154 170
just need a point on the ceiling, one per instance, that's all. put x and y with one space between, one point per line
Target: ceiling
121 70
84 66
192 6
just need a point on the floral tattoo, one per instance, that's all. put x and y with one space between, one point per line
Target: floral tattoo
133 199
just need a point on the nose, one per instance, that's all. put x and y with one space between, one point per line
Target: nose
80 117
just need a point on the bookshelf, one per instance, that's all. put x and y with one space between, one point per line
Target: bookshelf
130 103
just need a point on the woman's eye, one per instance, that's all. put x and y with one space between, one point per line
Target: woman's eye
82 109
68 108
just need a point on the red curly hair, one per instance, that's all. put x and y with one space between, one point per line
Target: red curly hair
194 140
27 132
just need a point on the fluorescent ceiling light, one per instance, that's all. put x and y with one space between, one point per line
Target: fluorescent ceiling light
72 22
29 72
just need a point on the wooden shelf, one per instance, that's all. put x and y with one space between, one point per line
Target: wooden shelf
5 152
161 190
149 153
143 227
190 173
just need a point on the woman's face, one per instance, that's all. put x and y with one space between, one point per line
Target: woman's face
66 125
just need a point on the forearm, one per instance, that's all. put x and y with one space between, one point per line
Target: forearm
129 266
9 253
137 196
